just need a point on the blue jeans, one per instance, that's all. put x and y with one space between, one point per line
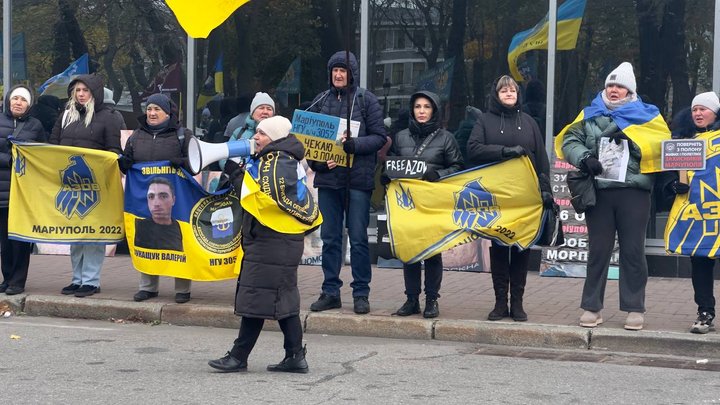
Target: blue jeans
87 260
357 218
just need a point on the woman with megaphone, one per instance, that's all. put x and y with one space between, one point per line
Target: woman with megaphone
159 137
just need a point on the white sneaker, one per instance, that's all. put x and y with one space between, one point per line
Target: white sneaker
704 323
590 319
634 321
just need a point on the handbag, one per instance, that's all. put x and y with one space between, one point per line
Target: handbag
582 190
551 233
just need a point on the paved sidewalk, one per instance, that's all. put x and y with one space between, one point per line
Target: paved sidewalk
551 303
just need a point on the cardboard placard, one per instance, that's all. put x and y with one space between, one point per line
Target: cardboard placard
683 154
405 167
322 136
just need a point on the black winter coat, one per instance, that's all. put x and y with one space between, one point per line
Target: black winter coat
372 135
32 130
104 130
442 154
502 126
146 146
267 285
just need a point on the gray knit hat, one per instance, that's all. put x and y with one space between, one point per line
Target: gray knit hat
261 99
709 100
624 76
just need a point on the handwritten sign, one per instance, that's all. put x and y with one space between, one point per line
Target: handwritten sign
322 134
405 168
683 154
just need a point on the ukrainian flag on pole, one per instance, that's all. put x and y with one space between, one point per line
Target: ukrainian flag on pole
198 18
569 18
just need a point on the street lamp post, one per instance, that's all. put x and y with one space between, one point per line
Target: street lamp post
386 91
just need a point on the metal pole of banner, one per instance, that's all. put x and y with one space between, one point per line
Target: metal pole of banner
550 93
716 49
364 33
190 85
7 46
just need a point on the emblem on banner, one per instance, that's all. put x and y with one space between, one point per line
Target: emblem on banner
80 192
216 223
404 198
475 207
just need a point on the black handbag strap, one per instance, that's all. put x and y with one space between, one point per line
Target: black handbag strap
425 143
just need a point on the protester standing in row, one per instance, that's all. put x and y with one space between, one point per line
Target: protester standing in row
261 107
622 207
267 285
426 139
16 122
703 118
86 123
344 193
505 132
158 137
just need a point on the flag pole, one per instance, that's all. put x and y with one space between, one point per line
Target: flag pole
550 93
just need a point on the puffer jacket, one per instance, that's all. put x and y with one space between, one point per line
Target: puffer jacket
104 130
503 127
267 285
146 145
442 154
372 135
32 130
584 137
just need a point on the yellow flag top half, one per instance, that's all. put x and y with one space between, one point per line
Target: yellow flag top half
641 122
569 19
500 201
199 17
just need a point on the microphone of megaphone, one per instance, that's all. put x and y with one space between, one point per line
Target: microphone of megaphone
201 154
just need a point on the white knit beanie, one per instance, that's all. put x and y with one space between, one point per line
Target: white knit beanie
261 99
276 127
624 76
709 100
22 92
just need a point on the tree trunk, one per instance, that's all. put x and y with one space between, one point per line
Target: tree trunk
456 40
74 33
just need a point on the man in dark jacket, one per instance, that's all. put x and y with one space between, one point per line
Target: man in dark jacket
14 121
344 193
267 285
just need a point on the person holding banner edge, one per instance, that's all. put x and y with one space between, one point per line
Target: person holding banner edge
158 137
86 123
703 118
426 139
15 122
267 284
344 193
617 114
505 132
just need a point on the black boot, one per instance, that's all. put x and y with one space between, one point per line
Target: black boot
500 271
432 310
292 363
518 278
410 307
228 364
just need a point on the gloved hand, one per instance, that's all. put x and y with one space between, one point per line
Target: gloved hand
233 170
618 137
125 163
177 163
349 145
431 175
385 179
591 165
513 151
547 199
679 188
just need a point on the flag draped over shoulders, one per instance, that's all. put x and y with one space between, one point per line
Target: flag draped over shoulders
500 201
641 122
693 226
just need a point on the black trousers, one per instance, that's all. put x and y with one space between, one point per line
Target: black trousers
509 268
250 329
703 283
15 255
433 277
625 211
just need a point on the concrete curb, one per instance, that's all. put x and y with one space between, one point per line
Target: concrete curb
15 302
208 315
71 307
656 342
512 334
368 325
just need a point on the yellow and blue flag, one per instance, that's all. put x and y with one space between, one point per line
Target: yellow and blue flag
64 194
569 19
641 122
175 228
693 226
198 18
500 201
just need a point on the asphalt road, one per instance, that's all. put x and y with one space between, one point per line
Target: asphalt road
49 360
